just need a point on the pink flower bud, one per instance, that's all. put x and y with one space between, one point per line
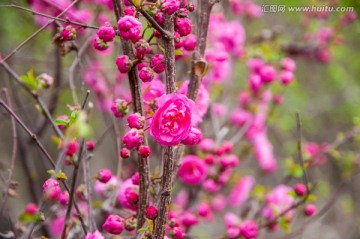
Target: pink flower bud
207 144
232 232
68 33
300 189
241 191
90 145
104 175
106 33
119 107
135 178
142 47
130 11
94 235
63 118
183 26
130 223
124 153
178 233
240 117
268 74
211 186
209 159
113 224
170 6
72 148
255 65
191 7
189 219
255 83
136 121
146 74
124 64
131 196
141 65
144 151
190 42
51 189
278 99
195 136
159 18
286 77
151 212
228 146
45 80
288 64
130 28
157 63
31 208
64 198
229 160
203 209
310 210
249 229
133 138
99 44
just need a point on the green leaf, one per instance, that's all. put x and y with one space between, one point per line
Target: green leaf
30 80
311 198
51 172
61 122
284 224
61 176
84 130
292 194
143 229
178 52
162 49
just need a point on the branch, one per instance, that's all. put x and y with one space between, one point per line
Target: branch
37 32
169 160
136 95
66 20
13 157
299 149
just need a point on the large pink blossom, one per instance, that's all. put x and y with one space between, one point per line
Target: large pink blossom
264 152
241 191
193 170
130 28
153 89
172 121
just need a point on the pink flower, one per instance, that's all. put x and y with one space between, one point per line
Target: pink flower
288 64
146 74
56 225
231 220
255 83
153 89
249 229
144 151
135 178
64 198
99 44
68 33
106 33
203 209
124 64
72 148
190 42
183 26
119 108
159 18
128 194
194 137
192 170
240 117
310 210
94 235
136 121
189 219
31 208
102 189
219 109
229 160
151 212
240 192
142 47
171 122
133 138
113 224
207 144
124 153
157 63
278 200
264 152
268 74
64 118
170 6
255 64
218 203
51 189
130 28
286 77
300 189
104 175
90 145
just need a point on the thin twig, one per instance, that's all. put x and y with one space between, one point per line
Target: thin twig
66 20
13 157
13 52
299 149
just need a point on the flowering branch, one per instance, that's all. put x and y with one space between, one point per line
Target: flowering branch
135 88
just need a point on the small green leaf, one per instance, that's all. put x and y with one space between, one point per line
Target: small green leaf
284 224
143 229
74 115
61 122
30 80
311 198
162 49
84 130
61 176
51 172
178 52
